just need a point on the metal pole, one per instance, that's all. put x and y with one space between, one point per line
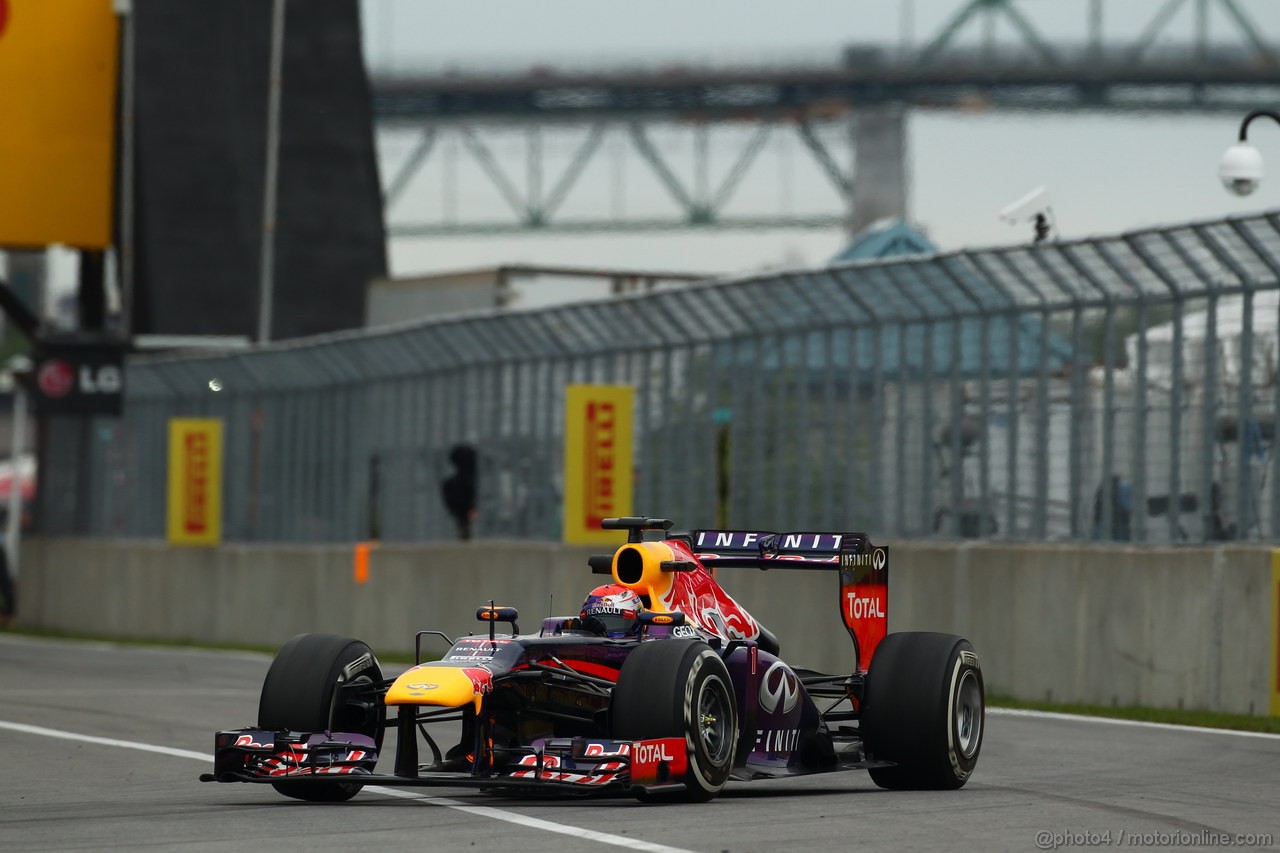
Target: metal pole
1014 386
266 279
878 418
13 530
1174 516
900 430
1095 29
984 435
1040 515
1138 490
128 77
1075 418
1245 515
829 519
957 421
926 431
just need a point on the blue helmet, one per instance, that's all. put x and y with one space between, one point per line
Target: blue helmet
612 611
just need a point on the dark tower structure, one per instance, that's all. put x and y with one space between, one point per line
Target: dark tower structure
201 101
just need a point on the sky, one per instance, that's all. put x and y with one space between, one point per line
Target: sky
1103 174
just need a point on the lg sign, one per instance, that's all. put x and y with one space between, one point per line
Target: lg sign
79 379
57 378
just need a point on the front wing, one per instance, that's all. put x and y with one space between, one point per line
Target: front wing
566 765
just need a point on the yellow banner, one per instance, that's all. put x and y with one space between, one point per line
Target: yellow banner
195 481
597 460
57 122
1273 679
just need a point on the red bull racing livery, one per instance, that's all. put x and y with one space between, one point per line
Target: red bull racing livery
663 685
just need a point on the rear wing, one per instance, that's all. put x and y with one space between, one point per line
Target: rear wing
863 571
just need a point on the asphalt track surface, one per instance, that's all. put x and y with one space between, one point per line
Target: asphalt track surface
101 746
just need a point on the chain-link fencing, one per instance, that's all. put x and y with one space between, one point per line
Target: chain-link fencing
1113 388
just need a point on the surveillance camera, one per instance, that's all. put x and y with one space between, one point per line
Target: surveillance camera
1027 208
1241 169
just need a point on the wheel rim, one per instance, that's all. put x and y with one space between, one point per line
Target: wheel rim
354 717
968 721
713 720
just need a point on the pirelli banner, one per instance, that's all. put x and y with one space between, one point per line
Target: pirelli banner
57 122
597 460
195 481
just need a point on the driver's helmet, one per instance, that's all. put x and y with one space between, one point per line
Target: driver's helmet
612 610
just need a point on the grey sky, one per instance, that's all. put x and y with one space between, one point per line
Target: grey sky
1104 173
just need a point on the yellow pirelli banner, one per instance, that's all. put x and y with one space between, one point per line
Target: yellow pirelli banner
597 460
195 481
57 122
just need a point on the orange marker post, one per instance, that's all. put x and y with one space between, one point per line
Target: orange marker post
360 563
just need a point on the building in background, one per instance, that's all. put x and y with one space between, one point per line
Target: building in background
201 89
397 300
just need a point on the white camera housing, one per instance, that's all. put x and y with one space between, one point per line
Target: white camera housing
1241 169
1026 208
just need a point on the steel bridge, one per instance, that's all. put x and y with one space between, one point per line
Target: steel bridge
988 55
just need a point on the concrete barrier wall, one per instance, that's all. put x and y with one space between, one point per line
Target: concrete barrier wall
1166 628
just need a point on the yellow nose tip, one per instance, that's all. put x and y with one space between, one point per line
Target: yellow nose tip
440 684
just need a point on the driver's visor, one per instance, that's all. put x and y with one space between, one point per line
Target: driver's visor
613 623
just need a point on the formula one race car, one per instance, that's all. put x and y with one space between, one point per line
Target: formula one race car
662 685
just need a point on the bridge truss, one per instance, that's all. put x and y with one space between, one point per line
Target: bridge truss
545 141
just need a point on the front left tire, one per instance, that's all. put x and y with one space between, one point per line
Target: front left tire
679 688
301 694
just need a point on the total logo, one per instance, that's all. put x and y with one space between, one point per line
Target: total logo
648 753
779 689
864 607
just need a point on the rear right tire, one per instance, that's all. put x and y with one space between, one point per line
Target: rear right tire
924 709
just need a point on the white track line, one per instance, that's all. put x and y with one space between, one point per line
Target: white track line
532 822
566 829
478 811
104 741
1113 721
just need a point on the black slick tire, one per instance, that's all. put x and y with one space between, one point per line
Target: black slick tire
680 688
300 694
924 709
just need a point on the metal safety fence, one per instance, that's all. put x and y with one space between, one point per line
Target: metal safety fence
1113 388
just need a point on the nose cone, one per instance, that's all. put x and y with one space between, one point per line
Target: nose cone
441 685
